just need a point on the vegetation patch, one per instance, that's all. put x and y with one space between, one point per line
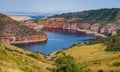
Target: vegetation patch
26 69
112 43
66 63
18 51
8 49
92 16
32 55
13 59
116 63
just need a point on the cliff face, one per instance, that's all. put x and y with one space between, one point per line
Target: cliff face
10 27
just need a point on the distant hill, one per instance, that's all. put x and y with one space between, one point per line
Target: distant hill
9 26
20 17
94 16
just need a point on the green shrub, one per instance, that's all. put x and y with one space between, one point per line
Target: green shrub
8 49
116 64
113 44
100 70
65 63
18 51
32 55
26 69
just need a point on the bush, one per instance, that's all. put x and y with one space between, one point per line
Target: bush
32 55
113 44
100 70
116 64
65 63
26 69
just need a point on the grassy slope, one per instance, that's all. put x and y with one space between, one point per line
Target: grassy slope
13 59
93 56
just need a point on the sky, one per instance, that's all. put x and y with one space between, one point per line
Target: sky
56 5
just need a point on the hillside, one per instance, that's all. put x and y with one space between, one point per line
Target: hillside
93 16
101 55
95 56
10 27
13 59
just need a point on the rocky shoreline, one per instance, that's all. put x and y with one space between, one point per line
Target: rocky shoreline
91 32
72 30
28 41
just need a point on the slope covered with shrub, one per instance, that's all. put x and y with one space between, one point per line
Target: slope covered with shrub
93 16
66 63
112 43
100 55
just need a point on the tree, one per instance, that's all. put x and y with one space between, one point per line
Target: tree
113 44
66 63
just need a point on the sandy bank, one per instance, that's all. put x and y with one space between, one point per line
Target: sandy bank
20 17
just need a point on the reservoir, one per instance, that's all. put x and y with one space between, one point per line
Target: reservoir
57 41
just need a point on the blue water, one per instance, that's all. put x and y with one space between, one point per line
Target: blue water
37 17
57 41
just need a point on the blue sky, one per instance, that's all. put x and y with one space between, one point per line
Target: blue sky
56 5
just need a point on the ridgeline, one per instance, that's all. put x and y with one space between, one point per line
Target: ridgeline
94 16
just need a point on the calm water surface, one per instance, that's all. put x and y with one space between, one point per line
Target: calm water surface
57 41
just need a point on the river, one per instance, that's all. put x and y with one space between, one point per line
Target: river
57 41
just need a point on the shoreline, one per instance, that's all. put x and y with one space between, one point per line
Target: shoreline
83 30
91 32
35 41
28 41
